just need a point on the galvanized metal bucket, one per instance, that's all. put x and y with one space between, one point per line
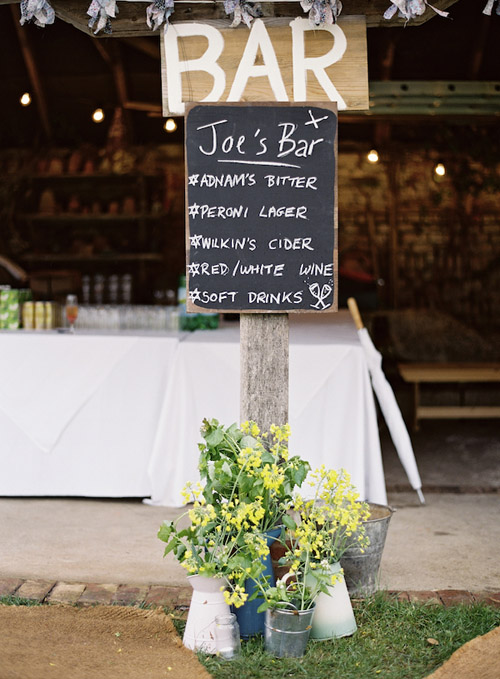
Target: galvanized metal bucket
287 632
361 569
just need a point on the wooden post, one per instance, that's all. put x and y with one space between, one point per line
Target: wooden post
393 172
264 369
33 73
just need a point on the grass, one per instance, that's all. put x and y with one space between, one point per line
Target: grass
392 642
395 640
18 601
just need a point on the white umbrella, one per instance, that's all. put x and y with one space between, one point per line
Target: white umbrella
388 403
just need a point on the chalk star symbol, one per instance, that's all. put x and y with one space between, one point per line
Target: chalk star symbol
194 209
193 269
314 121
193 179
194 295
195 241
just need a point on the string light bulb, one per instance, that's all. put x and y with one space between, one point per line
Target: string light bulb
372 156
98 115
170 125
25 99
440 170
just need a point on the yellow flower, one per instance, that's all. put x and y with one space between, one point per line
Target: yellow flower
254 429
273 477
237 597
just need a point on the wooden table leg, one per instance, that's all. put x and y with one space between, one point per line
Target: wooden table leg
416 403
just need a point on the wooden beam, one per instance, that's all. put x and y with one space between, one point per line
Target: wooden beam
264 369
143 106
106 57
392 176
148 46
131 19
478 52
33 74
382 132
119 74
110 52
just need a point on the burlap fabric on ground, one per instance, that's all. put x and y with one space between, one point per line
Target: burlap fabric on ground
477 659
101 642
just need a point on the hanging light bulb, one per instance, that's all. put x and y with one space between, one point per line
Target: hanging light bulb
440 170
98 115
170 125
25 99
372 156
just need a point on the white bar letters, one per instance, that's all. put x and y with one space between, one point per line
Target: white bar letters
207 62
258 40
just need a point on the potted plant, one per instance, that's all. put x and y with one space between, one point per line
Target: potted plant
289 605
252 467
254 470
311 599
219 551
247 484
334 519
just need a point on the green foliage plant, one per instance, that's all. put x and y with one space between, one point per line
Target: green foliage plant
247 485
322 528
334 517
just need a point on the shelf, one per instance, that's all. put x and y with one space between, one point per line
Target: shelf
71 217
94 176
111 257
99 222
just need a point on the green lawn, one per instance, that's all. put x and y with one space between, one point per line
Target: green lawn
392 642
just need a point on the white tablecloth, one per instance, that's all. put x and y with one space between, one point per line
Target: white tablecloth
119 416
79 413
332 410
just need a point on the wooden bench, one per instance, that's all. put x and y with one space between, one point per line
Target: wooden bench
459 373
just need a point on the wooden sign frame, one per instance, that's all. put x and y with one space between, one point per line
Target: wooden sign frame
277 60
303 230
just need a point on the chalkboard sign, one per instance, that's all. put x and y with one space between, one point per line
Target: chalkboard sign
261 208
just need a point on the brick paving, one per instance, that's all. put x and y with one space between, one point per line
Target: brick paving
178 598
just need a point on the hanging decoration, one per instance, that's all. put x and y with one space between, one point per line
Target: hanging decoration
410 9
158 12
489 7
242 11
101 12
322 11
39 10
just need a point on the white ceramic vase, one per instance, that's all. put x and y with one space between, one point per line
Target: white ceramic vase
333 616
207 601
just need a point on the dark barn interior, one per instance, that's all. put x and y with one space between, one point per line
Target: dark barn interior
407 239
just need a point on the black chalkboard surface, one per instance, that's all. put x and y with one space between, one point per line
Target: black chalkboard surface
261 207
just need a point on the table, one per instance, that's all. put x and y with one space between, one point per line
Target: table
119 415
332 410
459 373
79 413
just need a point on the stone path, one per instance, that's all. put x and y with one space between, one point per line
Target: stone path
178 598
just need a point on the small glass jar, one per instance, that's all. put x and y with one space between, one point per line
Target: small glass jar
227 636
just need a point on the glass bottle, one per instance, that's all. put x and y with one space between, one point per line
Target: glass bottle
227 636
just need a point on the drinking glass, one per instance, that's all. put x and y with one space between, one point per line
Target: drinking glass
71 311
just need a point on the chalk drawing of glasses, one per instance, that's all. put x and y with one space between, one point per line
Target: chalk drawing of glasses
320 295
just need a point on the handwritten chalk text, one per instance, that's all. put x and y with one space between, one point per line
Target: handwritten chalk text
275 298
258 269
290 244
284 211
